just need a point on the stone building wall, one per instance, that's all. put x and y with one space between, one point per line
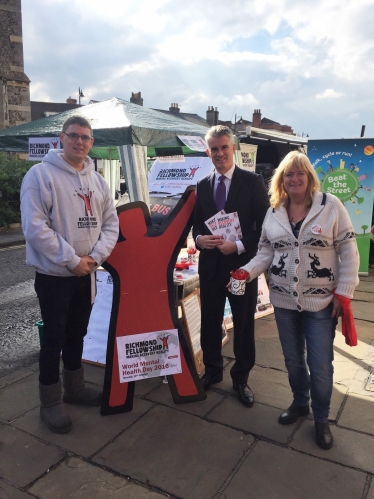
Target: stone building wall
14 84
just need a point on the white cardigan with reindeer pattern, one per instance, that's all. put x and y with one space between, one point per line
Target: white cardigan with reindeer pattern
303 271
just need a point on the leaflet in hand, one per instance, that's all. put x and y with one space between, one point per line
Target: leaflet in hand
226 225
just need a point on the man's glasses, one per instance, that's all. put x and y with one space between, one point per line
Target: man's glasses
76 137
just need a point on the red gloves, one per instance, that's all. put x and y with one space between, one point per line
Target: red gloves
348 323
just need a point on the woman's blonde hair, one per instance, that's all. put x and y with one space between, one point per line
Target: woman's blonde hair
278 194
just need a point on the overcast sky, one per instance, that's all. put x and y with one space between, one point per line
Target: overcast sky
308 64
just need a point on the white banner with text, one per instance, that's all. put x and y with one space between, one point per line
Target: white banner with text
148 355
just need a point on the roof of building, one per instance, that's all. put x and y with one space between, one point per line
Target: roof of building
43 109
272 122
191 117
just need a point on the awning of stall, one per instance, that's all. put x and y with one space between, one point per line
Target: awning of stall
115 122
275 136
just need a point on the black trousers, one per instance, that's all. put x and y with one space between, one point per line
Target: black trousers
213 293
65 305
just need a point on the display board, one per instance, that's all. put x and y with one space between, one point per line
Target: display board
191 313
94 348
263 307
141 265
345 169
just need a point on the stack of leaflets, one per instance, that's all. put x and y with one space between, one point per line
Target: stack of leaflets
226 225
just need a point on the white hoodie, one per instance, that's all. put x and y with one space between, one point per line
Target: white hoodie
66 214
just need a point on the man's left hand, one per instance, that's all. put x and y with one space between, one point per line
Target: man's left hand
227 247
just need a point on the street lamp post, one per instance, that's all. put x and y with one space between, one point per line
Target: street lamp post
80 94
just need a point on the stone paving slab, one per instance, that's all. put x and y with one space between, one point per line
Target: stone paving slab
269 353
367 296
274 472
163 396
90 432
145 386
176 452
76 479
12 377
270 387
226 383
365 329
94 373
365 285
337 399
24 458
362 310
352 449
358 414
260 420
358 352
13 406
9 492
371 491
345 367
266 327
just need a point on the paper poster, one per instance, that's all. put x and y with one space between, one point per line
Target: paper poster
346 169
263 307
193 321
248 153
195 143
148 355
95 341
226 225
39 146
227 315
173 177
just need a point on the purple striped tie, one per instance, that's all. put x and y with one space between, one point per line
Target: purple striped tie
221 194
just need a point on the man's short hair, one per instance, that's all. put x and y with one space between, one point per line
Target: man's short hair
76 120
219 131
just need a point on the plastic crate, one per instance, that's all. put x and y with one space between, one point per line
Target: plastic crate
40 325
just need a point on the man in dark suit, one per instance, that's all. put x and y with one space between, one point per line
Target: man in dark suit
234 190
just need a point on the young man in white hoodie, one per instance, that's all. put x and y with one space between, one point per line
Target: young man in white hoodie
70 226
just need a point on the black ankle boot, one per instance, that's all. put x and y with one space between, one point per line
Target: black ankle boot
293 413
324 436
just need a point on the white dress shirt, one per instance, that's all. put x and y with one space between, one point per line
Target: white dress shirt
227 180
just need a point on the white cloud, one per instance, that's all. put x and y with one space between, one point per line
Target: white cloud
276 55
329 93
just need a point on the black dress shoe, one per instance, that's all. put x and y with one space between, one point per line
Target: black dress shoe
324 436
207 380
293 413
245 394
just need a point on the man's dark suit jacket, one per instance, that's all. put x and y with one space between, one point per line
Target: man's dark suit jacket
248 197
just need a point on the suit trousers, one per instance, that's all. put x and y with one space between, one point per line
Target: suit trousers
213 293
65 305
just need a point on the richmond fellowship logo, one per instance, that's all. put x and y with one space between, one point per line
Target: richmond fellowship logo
87 202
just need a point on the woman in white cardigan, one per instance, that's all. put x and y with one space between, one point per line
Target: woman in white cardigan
309 249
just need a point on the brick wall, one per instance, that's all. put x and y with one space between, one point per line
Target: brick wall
14 84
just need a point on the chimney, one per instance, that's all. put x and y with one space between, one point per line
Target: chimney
174 108
136 98
256 118
216 114
212 116
69 100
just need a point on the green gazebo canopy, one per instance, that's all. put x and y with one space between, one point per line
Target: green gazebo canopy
114 122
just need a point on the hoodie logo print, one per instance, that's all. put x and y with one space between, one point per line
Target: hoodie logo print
87 202
88 220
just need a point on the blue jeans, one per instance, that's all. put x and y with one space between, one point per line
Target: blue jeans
316 331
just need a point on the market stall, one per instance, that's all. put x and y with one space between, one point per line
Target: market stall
122 131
